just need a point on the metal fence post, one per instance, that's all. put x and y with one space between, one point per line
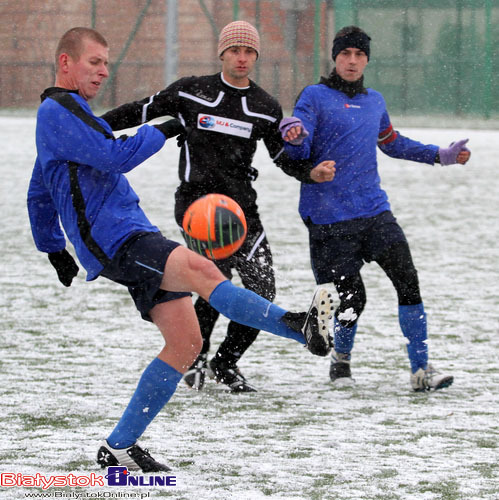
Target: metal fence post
317 40
171 57
488 61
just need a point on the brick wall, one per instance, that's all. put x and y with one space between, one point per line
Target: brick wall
30 30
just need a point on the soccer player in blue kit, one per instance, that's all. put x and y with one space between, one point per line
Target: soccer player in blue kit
349 218
78 180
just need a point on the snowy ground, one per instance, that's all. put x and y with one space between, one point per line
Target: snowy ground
71 357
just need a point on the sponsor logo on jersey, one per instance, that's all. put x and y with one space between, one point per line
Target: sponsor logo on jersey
225 125
351 106
207 122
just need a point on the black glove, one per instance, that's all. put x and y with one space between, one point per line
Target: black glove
171 128
183 136
64 265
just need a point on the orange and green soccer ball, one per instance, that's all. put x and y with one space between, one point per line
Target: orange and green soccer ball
214 226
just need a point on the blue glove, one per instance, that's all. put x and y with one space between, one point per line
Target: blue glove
288 123
448 156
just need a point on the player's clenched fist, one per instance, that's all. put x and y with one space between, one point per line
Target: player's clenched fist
323 172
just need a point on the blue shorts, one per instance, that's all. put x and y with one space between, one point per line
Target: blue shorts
139 265
340 249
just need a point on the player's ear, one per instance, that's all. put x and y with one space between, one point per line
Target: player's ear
63 61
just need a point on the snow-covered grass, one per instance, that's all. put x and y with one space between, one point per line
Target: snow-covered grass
71 357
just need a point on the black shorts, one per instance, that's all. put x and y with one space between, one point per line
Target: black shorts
340 249
139 264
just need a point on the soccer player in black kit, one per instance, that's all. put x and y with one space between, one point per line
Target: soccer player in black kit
222 116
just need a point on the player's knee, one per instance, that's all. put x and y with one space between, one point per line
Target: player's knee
352 304
407 287
204 268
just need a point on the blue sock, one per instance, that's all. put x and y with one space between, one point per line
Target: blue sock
246 307
156 386
344 337
412 321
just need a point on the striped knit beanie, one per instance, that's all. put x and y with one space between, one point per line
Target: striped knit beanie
239 33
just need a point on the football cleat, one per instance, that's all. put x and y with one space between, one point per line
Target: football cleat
230 375
134 458
315 326
194 377
430 379
339 370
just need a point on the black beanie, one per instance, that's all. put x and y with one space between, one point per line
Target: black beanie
359 40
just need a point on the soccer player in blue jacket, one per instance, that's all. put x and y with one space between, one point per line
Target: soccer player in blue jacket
349 218
78 180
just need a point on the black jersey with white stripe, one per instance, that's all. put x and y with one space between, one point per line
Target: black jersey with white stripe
223 126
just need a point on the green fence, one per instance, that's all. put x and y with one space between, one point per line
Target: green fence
431 56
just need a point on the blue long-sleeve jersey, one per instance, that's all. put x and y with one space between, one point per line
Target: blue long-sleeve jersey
78 180
347 130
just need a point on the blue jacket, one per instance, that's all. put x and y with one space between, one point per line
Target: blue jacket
78 179
347 130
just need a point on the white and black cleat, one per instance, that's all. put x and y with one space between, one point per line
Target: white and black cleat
314 325
430 379
339 370
195 376
230 375
134 458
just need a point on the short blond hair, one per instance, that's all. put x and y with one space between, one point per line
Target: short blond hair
71 42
